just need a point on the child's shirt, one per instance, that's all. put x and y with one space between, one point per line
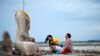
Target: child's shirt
59 49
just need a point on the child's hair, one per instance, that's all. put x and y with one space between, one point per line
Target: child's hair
6 42
52 44
68 34
47 38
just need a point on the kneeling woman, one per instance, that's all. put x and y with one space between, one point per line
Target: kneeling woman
52 39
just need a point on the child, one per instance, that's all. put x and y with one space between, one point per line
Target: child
7 45
68 47
55 49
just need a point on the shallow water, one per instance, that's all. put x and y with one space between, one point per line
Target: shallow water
80 48
86 47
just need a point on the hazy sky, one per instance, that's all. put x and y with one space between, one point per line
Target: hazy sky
81 18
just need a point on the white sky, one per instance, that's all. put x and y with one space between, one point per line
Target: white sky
81 18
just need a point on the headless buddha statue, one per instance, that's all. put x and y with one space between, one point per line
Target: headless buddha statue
22 34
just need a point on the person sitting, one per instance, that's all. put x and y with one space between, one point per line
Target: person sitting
55 49
7 45
68 47
52 39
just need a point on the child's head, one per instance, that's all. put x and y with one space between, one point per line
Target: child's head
52 46
68 35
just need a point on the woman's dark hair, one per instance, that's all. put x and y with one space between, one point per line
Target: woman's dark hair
52 44
69 35
47 38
